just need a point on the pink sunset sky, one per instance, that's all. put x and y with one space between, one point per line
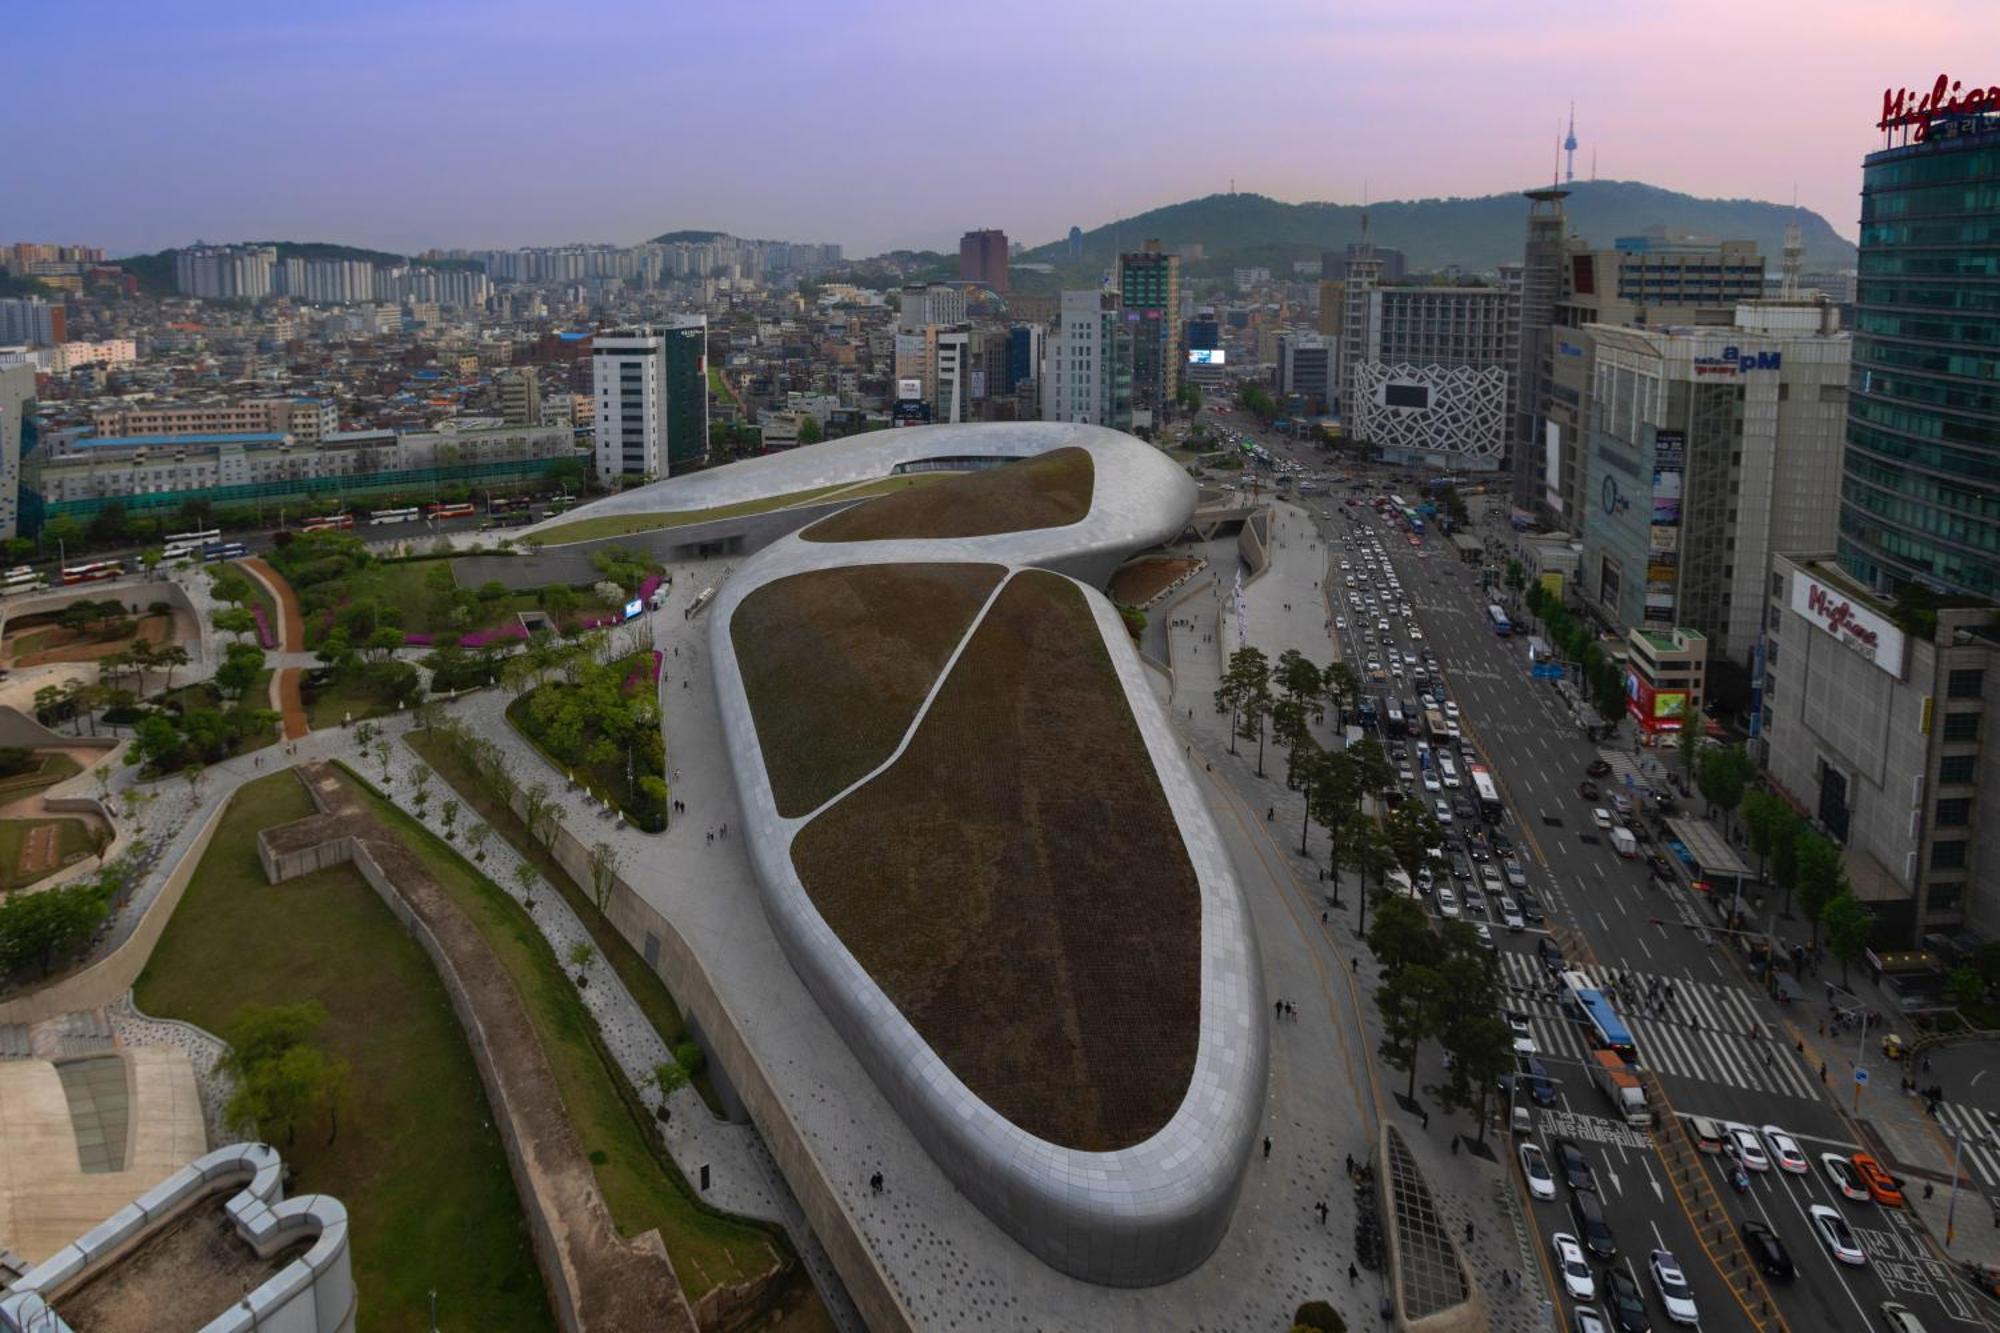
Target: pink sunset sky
880 124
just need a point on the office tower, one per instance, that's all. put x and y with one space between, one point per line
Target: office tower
1707 451
1425 375
687 391
520 398
1027 345
1088 375
628 373
1536 460
1149 290
927 304
951 374
17 393
1332 300
982 257
1305 368
1922 499
31 321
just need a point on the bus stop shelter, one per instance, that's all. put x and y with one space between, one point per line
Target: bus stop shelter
1470 549
1711 862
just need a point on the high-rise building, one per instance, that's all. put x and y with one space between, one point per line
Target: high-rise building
1088 375
1332 304
687 391
520 398
31 321
1305 368
951 374
225 272
1027 347
1541 283
1921 502
927 304
1708 451
17 392
629 375
982 257
1149 290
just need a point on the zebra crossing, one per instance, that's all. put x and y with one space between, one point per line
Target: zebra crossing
1978 1133
1706 1034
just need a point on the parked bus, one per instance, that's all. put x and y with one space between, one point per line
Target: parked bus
224 551
1601 1023
506 504
381 516
1498 619
191 540
1486 791
21 578
327 523
93 572
438 512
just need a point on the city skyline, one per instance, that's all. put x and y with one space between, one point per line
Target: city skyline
357 131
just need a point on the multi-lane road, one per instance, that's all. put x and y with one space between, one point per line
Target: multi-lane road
1720 1048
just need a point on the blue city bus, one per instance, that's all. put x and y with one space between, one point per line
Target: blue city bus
1607 1031
1498 619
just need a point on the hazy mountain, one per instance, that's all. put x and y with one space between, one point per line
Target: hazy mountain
1478 233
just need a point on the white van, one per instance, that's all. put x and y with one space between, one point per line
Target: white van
1447 770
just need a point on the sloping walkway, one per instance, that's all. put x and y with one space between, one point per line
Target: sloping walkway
286 695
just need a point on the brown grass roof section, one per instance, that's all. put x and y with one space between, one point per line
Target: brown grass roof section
835 663
1051 490
1017 886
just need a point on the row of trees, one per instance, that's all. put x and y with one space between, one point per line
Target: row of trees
39 929
1602 677
1440 984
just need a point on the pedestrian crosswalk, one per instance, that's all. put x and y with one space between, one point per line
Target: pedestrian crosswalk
1977 1132
1708 1031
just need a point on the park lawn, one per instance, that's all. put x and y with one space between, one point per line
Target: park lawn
1050 490
54 768
623 525
641 981
73 836
417 1162
335 702
641 1186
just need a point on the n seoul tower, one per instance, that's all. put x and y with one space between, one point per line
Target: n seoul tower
1569 146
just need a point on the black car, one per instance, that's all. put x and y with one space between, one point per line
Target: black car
1551 955
1624 1302
1461 867
1541 1088
1598 768
1502 845
1477 845
1591 1228
1574 1166
1767 1251
1587 790
1531 907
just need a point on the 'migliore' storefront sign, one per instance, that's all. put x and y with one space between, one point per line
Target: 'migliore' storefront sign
1862 630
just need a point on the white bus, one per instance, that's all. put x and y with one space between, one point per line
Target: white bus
1487 791
381 516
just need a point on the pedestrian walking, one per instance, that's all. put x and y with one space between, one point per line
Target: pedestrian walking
1267 1147
1470 1232
1354 1273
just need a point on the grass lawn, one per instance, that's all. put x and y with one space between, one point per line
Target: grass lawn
642 981
1033 913
1051 490
1140 581
403 585
620 525
72 837
335 702
54 768
836 662
417 1161
640 1184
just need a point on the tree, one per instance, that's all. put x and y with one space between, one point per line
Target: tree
1482 1051
449 813
1822 876
1986 961
809 431
1517 577
476 836
1785 830
1371 763
1849 927
1330 793
1401 935
259 1033
171 656
1688 742
1412 833
1369 851
580 954
242 664
1410 1001
603 873
1965 988
1245 686
1723 773
1343 687
669 1078
1763 816
40 927
525 876
420 781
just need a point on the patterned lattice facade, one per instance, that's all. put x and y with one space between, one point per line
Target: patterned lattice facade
1465 411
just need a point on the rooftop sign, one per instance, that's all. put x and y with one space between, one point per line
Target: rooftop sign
1903 109
1864 631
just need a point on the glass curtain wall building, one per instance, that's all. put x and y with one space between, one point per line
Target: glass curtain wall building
1920 498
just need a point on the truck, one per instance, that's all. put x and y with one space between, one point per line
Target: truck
1621 1087
1624 843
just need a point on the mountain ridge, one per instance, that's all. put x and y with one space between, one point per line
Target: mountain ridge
1479 232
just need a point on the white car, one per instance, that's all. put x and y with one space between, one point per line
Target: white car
1447 904
1577 1278
1899 1318
1485 934
1524 1036
1451 708
1672 1285
1340 622
1587 1320
1600 815
1835 1234
1841 1172
1443 810
1785 1151
1749 1148
1431 780
1535 1166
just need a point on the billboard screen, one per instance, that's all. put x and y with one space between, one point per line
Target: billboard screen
1207 356
633 608
1406 395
